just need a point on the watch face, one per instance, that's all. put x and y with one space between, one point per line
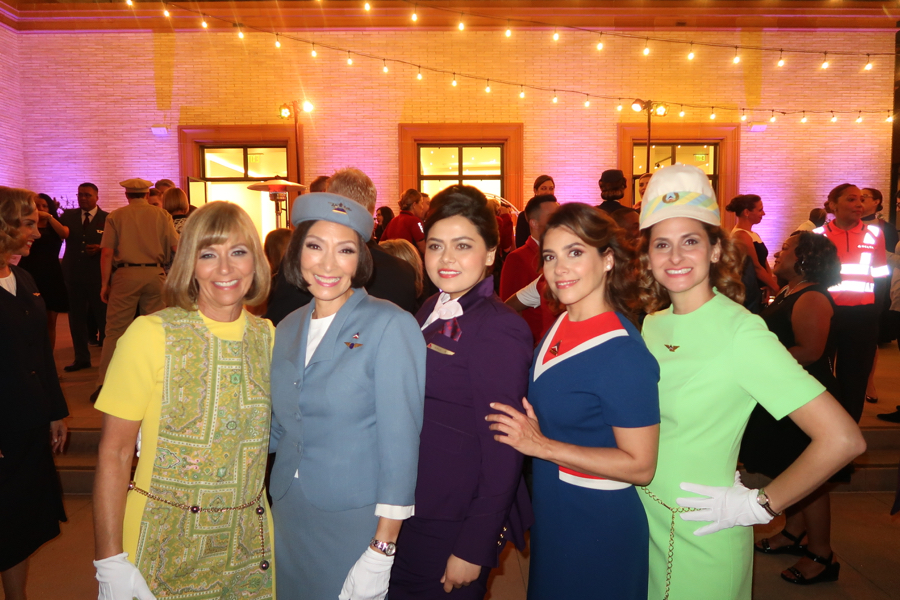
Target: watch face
389 549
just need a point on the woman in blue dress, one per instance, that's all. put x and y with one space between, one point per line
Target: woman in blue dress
591 419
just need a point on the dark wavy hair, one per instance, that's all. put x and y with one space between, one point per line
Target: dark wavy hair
725 275
741 203
465 201
595 228
817 258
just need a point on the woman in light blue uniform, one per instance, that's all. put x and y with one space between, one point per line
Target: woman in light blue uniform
348 384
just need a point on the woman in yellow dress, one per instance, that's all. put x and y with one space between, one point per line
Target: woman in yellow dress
194 380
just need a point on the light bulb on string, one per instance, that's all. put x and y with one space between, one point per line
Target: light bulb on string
166 10
619 107
781 58
859 118
833 117
487 88
415 16
681 113
868 66
453 83
384 68
555 36
691 53
367 6
277 41
600 43
825 62
647 47
743 115
129 2
587 101
461 24
349 60
203 22
555 99
508 30
240 34
712 114
737 57
772 118
314 53
890 118
419 74
804 119
521 91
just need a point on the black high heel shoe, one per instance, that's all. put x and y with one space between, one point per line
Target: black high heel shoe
797 549
831 572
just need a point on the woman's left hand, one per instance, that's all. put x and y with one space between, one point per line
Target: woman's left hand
459 573
58 433
522 431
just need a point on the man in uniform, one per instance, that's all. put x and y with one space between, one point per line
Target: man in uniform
137 241
81 271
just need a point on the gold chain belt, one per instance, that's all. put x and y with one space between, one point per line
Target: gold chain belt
195 509
671 553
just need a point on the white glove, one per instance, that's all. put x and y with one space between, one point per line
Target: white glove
121 580
369 577
724 506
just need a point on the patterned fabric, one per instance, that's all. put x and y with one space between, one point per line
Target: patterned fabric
211 452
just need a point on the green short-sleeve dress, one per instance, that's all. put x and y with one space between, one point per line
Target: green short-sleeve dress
716 363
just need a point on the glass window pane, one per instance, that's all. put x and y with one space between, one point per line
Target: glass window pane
698 155
481 161
639 158
487 186
223 162
433 186
439 161
660 156
267 163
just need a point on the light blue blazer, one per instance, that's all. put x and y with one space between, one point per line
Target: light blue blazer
349 422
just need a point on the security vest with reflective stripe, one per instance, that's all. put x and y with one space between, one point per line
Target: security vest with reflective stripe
862 256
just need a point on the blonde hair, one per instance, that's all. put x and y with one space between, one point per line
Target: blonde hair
15 203
405 251
174 200
214 223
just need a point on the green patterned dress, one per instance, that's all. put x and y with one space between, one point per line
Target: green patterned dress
201 389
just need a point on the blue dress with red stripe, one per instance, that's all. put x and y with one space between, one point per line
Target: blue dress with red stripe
590 536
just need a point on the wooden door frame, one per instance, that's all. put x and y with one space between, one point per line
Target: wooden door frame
511 135
726 135
192 137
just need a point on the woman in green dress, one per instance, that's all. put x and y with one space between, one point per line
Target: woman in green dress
193 521
717 361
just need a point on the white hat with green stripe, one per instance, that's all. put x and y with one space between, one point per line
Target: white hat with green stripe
679 191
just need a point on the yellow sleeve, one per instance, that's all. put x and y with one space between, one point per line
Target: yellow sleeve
135 370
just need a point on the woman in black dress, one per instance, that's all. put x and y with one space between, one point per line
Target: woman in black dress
748 208
32 406
801 317
43 263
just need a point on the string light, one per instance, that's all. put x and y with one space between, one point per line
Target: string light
743 115
203 22
859 118
508 30
647 47
712 114
461 24
691 53
419 74
555 99
349 60
240 34
772 119
804 119
487 88
384 69
129 2
619 107
367 6
521 91
781 58
890 118
314 53
825 62
308 106
277 41
556 36
833 117
737 57
600 43
453 83
415 17
166 10
681 114
868 66
587 101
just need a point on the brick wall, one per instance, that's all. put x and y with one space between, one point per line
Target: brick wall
12 169
88 101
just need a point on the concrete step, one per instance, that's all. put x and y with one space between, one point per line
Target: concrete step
78 463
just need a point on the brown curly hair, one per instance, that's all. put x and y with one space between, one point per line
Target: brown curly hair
595 228
15 203
725 275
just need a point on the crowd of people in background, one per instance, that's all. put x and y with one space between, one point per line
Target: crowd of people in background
434 383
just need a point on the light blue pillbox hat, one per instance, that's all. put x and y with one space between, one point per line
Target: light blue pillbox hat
322 206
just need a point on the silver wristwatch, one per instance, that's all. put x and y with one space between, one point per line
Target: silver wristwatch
389 548
763 500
